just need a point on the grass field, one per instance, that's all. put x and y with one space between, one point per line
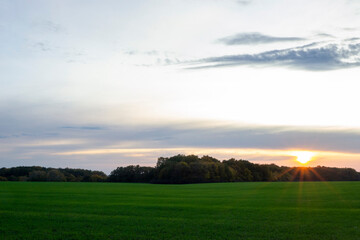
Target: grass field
293 210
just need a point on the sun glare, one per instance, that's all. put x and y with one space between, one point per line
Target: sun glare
303 156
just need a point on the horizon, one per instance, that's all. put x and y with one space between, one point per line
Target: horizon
98 85
301 166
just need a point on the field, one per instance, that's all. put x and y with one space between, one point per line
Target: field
292 210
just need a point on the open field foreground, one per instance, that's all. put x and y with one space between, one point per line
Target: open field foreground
288 210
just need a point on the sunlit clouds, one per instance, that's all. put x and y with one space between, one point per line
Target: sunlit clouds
267 156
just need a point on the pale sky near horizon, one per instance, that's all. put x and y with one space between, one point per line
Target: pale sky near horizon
100 84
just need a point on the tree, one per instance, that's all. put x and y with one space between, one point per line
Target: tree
97 178
55 176
37 176
3 179
132 174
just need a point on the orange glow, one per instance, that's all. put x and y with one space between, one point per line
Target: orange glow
283 157
303 156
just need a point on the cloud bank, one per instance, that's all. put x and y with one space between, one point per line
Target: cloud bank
255 38
312 57
107 146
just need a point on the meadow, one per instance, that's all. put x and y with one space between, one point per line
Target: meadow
267 210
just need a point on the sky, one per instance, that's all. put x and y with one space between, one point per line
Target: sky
100 84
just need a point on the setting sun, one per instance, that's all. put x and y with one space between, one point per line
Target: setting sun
303 156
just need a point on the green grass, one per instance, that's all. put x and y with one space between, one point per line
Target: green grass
309 210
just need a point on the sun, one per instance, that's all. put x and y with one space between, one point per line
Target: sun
303 156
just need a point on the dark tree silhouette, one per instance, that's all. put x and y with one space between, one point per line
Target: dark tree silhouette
185 169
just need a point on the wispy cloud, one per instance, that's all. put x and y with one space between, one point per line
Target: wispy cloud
244 2
20 124
43 46
50 26
255 38
84 145
83 127
326 35
350 29
196 136
150 58
314 57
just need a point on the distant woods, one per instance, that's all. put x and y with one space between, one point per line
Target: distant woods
182 169
42 174
192 169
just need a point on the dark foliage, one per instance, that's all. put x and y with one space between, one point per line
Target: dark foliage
181 169
51 174
132 174
192 169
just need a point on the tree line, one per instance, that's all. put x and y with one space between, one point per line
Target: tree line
181 169
42 174
193 169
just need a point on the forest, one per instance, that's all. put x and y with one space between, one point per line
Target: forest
42 174
182 169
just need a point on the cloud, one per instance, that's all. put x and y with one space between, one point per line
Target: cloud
149 53
352 39
267 137
83 127
50 26
326 35
43 46
255 38
244 2
350 29
111 146
313 57
30 138
196 136
150 58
